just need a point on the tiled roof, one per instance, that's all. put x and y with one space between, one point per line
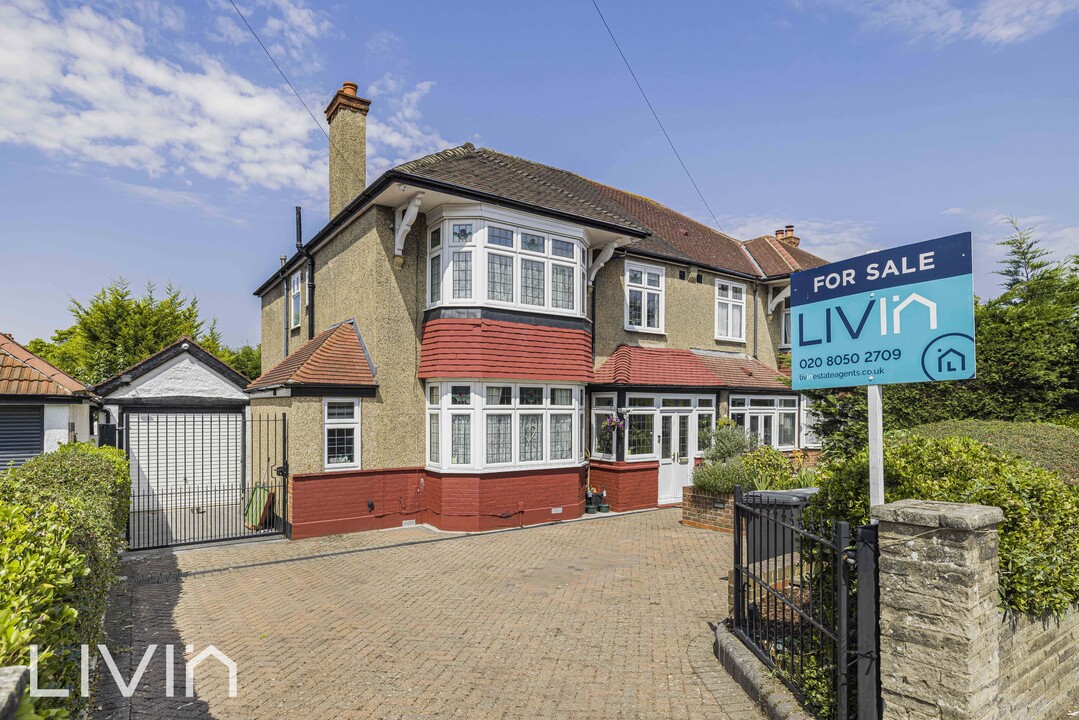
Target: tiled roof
336 356
777 258
678 236
477 348
672 235
630 365
24 373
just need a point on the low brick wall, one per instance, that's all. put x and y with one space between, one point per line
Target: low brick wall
499 500
629 486
947 649
348 501
708 510
1039 666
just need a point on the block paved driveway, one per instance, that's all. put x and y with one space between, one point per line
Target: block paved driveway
602 618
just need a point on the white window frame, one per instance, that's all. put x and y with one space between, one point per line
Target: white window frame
599 416
645 289
698 405
481 251
806 421
775 411
731 303
295 300
479 410
328 424
435 253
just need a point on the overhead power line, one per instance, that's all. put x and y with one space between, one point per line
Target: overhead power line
294 91
656 115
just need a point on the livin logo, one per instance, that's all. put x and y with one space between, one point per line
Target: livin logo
127 689
900 305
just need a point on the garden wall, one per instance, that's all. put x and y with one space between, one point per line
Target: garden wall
629 486
707 510
947 649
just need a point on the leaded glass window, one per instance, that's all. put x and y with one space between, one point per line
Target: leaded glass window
561 248
462 275
531 396
436 279
499 395
641 434
499 438
531 437
461 439
562 287
532 243
499 278
499 236
561 436
532 282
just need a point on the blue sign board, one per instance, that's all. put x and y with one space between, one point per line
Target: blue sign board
895 316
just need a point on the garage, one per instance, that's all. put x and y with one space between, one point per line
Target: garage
182 417
22 433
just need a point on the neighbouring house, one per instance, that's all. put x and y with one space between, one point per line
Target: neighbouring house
181 416
450 345
41 407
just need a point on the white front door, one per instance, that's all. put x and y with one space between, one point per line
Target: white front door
674 456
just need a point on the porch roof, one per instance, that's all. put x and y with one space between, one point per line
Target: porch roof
656 367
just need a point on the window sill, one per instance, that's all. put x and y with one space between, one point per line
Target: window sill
644 331
512 468
739 341
340 468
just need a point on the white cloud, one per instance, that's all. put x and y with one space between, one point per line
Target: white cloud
382 43
953 211
86 88
995 22
169 197
830 239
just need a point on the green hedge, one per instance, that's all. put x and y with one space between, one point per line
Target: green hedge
1054 447
1039 538
62 521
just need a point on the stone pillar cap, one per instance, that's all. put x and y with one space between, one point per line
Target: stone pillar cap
928 513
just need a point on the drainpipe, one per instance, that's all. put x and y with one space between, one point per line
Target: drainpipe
310 275
756 289
284 301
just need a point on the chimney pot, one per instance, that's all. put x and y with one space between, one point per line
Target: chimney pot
349 88
779 234
789 231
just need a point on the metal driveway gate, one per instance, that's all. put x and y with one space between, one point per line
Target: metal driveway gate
201 476
806 602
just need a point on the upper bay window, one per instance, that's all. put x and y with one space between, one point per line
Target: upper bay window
730 310
500 264
644 298
499 425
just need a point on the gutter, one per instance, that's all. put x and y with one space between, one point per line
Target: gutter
310 274
395 176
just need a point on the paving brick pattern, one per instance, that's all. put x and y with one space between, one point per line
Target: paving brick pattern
601 618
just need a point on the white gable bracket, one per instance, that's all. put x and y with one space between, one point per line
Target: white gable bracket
605 254
779 298
405 216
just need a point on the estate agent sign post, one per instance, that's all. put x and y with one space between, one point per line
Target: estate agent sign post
902 315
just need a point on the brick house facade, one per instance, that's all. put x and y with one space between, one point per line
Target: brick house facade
450 345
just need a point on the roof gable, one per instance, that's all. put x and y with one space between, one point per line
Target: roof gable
336 356
184 344
24 373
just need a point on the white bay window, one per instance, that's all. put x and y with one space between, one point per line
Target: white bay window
502 425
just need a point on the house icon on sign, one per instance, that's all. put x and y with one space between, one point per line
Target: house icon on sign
949 359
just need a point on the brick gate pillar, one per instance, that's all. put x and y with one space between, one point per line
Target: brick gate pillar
939 619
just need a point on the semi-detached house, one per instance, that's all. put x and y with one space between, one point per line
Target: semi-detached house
474 338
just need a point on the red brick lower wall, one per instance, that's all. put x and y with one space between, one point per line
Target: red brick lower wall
629 486
337 502
499 500
700 508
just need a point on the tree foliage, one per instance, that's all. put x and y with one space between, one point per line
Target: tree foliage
117 328
1028 358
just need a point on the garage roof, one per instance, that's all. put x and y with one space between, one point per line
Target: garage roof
24 373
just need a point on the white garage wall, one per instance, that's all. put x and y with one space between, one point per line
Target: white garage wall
57 418
182 376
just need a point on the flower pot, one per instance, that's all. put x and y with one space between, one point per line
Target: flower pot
604 507
590 509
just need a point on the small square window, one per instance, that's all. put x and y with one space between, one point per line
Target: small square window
502 237
561 248
340 410
462 233
460 395
653 279
531 396
641 402
636 277
499 395
532 243
436 238
561 396
432 395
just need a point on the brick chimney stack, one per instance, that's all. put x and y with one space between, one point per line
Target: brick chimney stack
347 116
786 235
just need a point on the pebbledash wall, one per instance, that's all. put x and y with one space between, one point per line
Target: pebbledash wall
348 501
947 649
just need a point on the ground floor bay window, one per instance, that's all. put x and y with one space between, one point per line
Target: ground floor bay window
500 425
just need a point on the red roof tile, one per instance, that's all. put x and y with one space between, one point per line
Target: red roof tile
777 258
630 365
476 348
336 356
24 373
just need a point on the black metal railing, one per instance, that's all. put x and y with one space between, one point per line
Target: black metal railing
202 476
798 608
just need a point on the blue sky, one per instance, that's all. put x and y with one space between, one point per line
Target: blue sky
156 142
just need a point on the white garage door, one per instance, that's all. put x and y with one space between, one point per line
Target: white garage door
185 460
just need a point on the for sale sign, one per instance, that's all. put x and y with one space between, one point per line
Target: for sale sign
894 316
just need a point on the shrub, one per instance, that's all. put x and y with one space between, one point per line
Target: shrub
66 513
768 469
727 441
1051 446
721 477
1039 538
